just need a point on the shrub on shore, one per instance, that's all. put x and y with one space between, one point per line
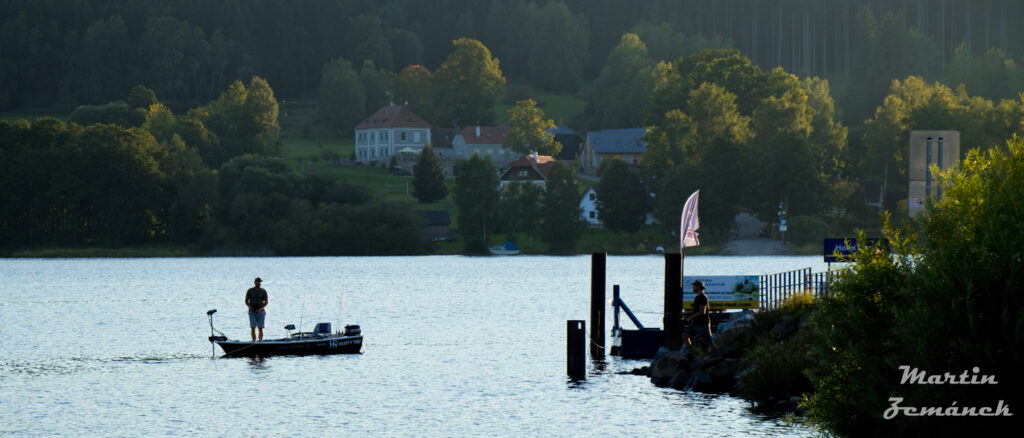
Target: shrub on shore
948 303
776 344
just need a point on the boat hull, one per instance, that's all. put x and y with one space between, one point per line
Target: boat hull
496 251
292 347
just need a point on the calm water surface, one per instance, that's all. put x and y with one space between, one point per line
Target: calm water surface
453 346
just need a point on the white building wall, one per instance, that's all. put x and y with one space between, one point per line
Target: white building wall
381 144
588 208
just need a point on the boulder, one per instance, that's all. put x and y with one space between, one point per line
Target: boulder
665 366
642 371
700 381
679 380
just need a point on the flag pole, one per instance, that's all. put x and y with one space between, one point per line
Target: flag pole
689 222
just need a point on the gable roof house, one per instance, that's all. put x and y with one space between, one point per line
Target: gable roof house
570 141
527 169
627 144
486 141
441 140
592 217
389 130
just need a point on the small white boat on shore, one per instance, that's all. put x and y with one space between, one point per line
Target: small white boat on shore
506 248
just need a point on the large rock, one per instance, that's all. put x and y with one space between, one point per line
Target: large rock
723 376
700 381
679 380
665 365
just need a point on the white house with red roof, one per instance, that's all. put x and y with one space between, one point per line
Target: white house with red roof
532 169
485 141
388 131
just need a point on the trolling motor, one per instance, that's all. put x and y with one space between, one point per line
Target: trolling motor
221 337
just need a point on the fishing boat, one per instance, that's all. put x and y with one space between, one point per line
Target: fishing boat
319 341
506 248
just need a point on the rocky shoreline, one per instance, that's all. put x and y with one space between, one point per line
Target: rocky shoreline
722 371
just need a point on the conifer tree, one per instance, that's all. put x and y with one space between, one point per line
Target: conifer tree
428 178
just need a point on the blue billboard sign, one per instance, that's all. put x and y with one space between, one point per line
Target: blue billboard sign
842 250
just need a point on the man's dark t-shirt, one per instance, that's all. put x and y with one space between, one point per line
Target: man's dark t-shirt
255 296
701 300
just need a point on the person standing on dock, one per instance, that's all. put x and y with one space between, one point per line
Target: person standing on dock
699 323
256 299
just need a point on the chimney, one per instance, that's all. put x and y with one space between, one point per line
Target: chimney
477 130
535 156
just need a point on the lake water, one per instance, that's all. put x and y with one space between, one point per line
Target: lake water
454 346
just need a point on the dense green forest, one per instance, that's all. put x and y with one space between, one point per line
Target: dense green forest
207 178
56 52
807 103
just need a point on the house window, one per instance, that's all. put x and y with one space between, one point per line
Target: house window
403 135
593 215
522 173
593 197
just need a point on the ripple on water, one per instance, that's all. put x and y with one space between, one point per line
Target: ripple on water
454 346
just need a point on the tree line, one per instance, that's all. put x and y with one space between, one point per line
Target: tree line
521 210
133 173
710 112
70 53
752 140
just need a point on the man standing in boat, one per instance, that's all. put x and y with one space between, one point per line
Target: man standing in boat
256 299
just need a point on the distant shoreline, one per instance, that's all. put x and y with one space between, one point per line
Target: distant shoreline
192 251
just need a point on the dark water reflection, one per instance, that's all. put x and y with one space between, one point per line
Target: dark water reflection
455 346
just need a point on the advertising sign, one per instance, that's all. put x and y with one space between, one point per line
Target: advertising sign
842 250
725 291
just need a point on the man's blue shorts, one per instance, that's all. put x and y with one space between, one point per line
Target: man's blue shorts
256 319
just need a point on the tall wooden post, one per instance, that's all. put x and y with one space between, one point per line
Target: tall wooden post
576 349
597 307
673 302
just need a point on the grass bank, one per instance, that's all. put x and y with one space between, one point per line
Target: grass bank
105 252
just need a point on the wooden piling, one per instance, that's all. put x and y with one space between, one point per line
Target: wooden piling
673 302
616 330
597 306
576 349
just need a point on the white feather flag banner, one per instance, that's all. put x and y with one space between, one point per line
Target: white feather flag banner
689 223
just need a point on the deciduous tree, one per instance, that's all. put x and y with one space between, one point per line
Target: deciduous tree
622 199
529 131
342 101
469 83
561 210
476 196
415 85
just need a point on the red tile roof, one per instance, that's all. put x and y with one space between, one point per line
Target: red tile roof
488 134
543 164
393 116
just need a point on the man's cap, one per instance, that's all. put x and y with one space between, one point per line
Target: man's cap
699 284
258 280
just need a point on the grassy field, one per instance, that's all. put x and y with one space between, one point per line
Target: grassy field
558 107
316 148
128 252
